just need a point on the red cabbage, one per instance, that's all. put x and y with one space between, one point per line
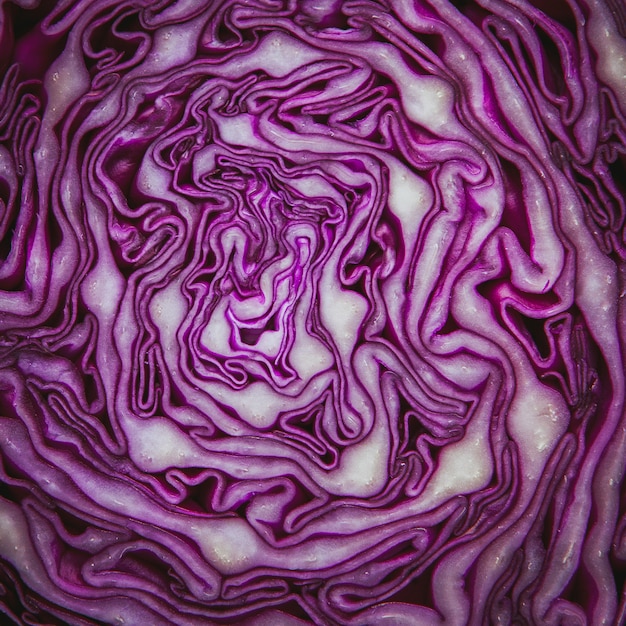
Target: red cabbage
312 312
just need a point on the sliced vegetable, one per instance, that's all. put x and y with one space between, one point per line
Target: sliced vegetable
312 312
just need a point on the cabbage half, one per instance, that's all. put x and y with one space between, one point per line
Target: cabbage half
312 312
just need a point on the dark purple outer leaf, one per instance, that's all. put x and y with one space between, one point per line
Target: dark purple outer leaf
312 312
